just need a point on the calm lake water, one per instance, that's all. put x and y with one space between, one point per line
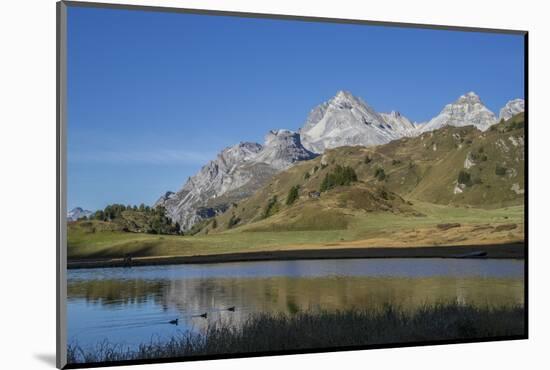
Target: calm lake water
129 306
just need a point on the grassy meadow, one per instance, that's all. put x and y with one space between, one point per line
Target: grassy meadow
95 239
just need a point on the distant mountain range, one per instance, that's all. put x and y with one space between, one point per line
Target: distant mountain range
449 169
344 120
76 213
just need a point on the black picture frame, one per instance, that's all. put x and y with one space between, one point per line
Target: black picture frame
61 146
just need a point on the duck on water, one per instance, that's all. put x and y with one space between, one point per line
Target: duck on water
174 322
203 315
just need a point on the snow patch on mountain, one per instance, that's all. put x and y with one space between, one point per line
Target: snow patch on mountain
512 108
467 110
348 120
77 213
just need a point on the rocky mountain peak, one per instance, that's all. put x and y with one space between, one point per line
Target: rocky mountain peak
282 148
399 124
349 120
395 114
275 135
465 111
344 100
512 108
469 98
243 151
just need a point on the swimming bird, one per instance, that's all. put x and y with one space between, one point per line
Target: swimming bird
232 309
174 322
205 315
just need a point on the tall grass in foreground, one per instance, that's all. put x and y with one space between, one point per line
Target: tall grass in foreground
265 332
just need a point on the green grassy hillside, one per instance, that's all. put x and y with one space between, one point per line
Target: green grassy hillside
476 226
455 167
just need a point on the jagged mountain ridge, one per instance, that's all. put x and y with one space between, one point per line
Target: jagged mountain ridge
239 169
344 120
400 124
348 120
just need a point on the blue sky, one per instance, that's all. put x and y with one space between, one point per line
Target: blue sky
153 96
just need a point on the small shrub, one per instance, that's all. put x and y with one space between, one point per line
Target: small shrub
380 174
368 159
464 178
293 194
500 171
479 156
307 176
271 208
395 162
383 194
233 221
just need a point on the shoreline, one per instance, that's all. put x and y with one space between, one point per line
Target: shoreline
493 251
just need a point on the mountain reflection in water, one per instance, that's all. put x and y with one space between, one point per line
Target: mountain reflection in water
132 306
